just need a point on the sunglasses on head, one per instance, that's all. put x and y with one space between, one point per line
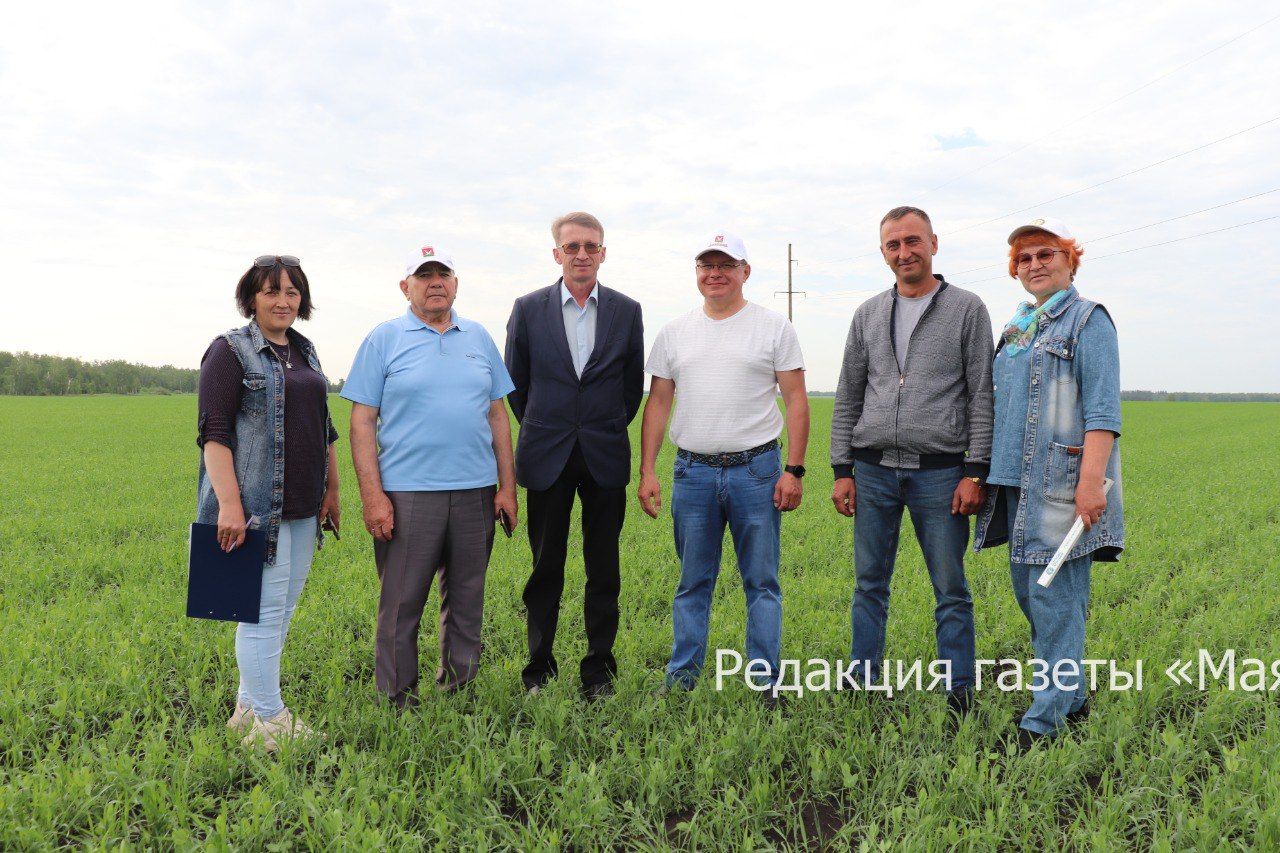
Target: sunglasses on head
267 261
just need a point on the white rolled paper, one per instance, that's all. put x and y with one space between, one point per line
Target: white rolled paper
1073 536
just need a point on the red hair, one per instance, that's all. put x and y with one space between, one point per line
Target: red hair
1044 238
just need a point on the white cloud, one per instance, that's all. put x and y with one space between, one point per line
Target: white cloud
147 156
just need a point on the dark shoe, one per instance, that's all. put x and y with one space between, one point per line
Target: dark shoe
1027 740
405 700
1075 718
772 701
597 691
960 702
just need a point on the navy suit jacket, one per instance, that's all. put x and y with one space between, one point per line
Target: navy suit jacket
554 407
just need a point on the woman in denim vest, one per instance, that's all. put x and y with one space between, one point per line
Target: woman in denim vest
1056 443
268 455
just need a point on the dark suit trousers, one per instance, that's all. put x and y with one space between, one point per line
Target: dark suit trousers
548 522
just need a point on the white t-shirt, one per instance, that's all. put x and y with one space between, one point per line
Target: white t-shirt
724 370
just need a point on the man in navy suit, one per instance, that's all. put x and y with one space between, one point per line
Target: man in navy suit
575 351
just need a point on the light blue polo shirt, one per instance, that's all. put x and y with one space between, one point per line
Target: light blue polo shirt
432 391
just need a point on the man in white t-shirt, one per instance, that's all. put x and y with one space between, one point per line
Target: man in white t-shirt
726 361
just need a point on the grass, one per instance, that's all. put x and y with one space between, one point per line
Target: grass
112 703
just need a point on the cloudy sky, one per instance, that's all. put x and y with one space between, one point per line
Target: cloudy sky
149 151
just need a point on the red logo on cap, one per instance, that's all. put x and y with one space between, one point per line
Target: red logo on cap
427 251
719 239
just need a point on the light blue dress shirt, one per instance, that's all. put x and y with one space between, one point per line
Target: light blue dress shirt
432 391
579 326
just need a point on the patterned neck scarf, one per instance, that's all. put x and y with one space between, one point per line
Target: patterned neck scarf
1027 320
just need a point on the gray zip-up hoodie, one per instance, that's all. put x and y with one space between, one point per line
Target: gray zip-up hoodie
938 411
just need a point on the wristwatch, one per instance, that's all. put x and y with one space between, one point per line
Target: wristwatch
977 481
796 471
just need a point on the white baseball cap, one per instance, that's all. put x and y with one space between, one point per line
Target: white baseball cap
426 254
1056 227
723 241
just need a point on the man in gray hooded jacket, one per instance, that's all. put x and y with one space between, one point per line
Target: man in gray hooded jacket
912 429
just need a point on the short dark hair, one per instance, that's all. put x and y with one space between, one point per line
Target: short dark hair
260 278
899 212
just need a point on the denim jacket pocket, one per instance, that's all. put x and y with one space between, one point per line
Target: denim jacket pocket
1062 473
1059 367
255 393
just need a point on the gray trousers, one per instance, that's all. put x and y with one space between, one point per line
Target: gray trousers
447 534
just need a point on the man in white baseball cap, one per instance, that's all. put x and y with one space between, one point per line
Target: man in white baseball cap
430 438
727 360
424 255
727 244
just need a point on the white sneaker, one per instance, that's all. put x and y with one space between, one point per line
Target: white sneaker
242 719
269 734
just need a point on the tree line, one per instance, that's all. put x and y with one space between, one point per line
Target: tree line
1199 397
30 374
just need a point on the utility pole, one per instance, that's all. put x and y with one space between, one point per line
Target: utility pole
790 262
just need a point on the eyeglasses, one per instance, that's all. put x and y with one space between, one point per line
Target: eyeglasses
572 249
267 261
724 267
1043 256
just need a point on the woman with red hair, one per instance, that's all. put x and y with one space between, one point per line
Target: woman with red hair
1056 444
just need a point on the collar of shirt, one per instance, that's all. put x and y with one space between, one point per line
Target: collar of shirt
566 296
413 322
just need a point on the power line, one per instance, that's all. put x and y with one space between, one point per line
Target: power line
1074 121
1144 227
1149 246
854 293
1185 215
843 294
1116 178
1094 112
1130 173
1188 237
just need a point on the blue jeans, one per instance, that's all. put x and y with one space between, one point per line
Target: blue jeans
703 499
882 493
258 647
1056 615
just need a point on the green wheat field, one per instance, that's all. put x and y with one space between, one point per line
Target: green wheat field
113 703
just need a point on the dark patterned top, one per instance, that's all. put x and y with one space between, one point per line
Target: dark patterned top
305 444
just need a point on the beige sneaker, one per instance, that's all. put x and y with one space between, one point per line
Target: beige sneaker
269 734
242 719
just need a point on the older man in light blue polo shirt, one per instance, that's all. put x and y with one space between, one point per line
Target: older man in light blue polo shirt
430 438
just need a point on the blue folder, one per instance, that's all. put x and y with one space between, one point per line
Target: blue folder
225 585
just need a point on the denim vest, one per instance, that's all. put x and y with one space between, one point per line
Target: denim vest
1051 454
258 453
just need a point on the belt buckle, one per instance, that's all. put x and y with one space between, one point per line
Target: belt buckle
724 460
